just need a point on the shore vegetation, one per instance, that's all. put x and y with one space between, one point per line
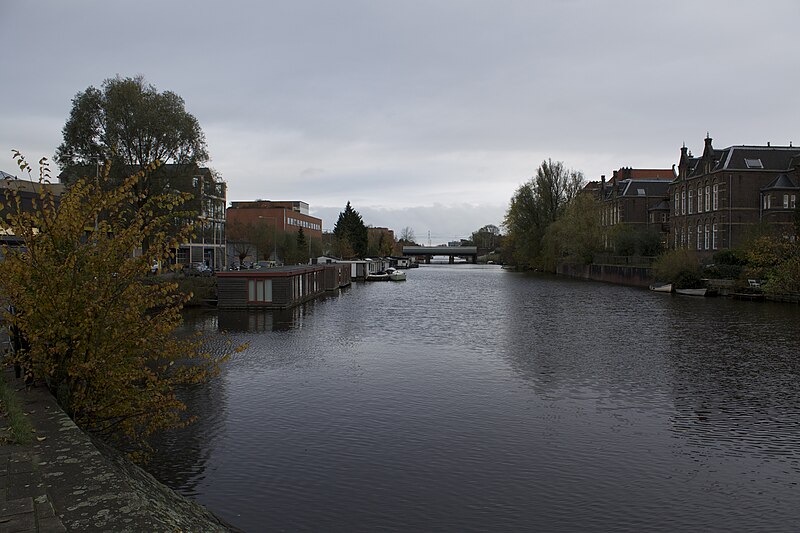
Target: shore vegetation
93 326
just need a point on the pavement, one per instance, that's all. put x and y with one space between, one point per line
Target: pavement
64 481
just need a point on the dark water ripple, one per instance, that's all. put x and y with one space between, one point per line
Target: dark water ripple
472 399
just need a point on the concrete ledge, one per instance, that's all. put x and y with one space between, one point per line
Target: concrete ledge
62 482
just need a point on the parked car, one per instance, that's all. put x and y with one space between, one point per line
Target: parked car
197 269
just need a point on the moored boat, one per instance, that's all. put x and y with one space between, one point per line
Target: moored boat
691 292
378 276
664 287
396 275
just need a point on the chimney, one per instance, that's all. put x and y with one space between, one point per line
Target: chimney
767 143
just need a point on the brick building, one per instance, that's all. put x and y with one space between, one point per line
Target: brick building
276 218
717 198
634 198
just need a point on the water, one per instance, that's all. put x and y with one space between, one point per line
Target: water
472 399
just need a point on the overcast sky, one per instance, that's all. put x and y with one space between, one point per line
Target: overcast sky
421 113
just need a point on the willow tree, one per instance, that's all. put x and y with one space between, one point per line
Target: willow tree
536 204
98 331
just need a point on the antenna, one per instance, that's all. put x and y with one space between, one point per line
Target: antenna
429 237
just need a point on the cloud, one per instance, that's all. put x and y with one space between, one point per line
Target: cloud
451 102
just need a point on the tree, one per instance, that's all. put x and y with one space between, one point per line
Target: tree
351 233
486 238
99 332
576 235
407 236
302 247
129 123
240 238
535 205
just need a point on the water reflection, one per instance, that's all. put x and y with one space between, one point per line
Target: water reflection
196 442
474 399
737 371
256 321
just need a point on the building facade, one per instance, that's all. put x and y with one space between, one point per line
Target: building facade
28 193
269 222
207 205
633 199
717 199
209 201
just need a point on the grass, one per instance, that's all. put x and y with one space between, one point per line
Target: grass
20 428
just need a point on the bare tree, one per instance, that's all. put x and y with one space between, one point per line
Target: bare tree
407 235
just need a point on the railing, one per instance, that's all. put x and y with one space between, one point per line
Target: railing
628 260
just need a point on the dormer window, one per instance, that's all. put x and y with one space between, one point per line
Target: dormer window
753 163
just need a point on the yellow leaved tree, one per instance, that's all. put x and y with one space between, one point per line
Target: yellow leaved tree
98 331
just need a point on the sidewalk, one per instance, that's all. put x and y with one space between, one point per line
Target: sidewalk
24 505
62 482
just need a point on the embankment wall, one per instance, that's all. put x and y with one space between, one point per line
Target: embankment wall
620 274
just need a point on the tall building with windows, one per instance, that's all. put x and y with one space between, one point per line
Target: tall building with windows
632 199
207 205
269 223
208 202
716 199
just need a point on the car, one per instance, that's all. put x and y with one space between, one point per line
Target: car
197 269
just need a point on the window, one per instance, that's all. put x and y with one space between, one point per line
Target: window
786 201
767 201
708 198
714 236
705 236
683 202
699 237
259 290
793 202
753 163
676 204
691 201
715 198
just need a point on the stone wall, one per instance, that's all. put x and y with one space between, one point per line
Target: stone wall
92 487
619 274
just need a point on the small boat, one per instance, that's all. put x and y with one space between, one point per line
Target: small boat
691 292
395 274
664 287
378 276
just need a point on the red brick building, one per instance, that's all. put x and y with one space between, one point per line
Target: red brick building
274 218
717 198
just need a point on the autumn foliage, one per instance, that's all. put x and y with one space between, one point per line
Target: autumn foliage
100 332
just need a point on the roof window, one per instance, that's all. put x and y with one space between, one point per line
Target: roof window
753 163
640 192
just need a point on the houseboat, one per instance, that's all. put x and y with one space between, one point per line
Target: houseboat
279 288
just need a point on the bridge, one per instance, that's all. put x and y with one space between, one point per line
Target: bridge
468 252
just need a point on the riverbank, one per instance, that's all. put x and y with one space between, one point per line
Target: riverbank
64 481
641 276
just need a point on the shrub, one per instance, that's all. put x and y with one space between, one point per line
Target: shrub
676 265
98 332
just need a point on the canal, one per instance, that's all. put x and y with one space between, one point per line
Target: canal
474 399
